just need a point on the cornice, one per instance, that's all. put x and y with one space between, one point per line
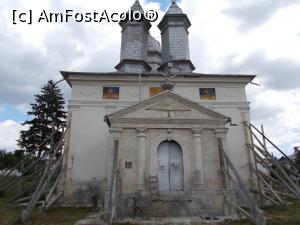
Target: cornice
150 124
168 121
117 104
85 77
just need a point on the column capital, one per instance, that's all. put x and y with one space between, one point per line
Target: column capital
221 132
115 133
196 132
141 131
244 109
115 130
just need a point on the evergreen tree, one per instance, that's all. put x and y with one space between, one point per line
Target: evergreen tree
297 160
47 115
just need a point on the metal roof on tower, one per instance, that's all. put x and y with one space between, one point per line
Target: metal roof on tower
137 7
174 8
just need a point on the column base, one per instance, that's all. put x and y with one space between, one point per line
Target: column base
140 187
198 187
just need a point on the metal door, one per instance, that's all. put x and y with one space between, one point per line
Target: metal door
170 166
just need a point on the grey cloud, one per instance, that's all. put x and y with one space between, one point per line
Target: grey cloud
277 74
103 60
255 13
25 68
265 114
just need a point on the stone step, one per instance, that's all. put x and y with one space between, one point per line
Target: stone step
170 221
96 219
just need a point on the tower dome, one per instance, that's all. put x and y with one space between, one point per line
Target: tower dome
175 41
134 43
154 53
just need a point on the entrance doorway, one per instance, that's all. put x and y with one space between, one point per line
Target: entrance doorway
170 166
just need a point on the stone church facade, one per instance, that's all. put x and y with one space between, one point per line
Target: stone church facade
159 146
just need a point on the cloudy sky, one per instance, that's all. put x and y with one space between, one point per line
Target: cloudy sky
227 36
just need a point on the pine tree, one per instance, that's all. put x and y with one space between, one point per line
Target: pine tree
47 115
297 160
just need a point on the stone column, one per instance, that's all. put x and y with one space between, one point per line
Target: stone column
141 162
198 159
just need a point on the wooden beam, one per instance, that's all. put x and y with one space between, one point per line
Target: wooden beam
39 190
112 192
277 175
292 163
48 197
53 200
267 154
270 188
257 215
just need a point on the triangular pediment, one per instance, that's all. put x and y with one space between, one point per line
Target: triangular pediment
167 105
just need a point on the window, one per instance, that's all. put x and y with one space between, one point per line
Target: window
207 93
155 91
111 93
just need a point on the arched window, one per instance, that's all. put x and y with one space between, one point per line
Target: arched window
170 166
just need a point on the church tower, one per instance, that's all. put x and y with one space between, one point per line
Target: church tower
175 42
134 44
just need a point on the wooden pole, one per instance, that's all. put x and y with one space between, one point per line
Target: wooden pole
270 188
278 176
66 154
255 168
292 163
20 186
39 190
112 193
250 156
256 212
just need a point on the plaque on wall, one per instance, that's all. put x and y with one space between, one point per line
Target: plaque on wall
128 165
155 91
111 93
207 93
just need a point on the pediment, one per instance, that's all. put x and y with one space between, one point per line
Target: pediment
167 105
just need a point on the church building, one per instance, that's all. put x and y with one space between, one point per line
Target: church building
145 139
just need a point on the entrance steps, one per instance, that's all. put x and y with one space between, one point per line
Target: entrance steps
171 221
97 219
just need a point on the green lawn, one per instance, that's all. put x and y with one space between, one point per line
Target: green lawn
278 215
10 215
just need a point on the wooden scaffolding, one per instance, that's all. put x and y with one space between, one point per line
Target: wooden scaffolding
39 180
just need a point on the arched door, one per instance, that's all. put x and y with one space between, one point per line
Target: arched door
170 166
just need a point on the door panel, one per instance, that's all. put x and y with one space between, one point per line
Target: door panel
170 166
176 169
163 166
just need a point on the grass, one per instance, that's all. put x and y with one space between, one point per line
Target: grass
10 215
275 215
288 214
